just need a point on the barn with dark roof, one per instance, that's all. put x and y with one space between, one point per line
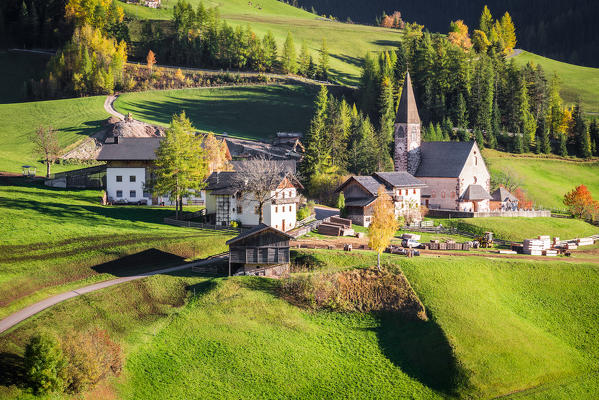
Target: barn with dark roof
454 173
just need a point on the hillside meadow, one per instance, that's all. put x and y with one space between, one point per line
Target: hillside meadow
252 112
347 43
55 240
518 329
575 80
545 180
74 119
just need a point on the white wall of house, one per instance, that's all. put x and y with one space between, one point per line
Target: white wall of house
126 184
475 172
443 193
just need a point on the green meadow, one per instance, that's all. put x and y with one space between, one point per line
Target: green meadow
74 119
347 43
520 329
55 240
545 180
575 80
253 112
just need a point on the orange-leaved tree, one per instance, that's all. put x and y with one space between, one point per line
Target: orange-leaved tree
384 224
151 59
523 201
580 202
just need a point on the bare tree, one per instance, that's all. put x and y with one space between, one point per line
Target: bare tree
261 178
45 140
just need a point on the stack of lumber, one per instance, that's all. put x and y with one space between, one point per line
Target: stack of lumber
410 236
535 247
507 252
335 229
571 246
346 223
585 241
550 253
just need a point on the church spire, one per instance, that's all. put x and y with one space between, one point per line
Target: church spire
407 112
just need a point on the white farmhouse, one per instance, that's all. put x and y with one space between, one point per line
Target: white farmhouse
226 203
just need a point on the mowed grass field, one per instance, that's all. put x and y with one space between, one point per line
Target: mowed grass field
55 239
16 68
347 43
519 329
253 112
74 119
545 180
575 80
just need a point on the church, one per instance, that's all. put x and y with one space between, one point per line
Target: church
454 173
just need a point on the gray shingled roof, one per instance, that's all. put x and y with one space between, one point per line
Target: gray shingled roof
134 149
260 228
476 192
502 194
443 159
221 183
360 202
407 111
399 179
369 183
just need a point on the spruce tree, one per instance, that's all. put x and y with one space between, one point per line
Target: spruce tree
581 132
303 62
323 62
486 21
270 51
289 58
461 112
480 140
447 129
594 134
563 147
316 150
518 146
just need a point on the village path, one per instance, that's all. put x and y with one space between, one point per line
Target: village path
108 106
36 308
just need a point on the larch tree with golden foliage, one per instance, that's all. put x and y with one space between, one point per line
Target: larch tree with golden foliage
216 150
150 59
384 224
459 36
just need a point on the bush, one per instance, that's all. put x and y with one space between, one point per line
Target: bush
91 357
44 364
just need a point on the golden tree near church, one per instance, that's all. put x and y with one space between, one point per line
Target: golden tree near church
384 224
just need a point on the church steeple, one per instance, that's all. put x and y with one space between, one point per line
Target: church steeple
407 112
407 131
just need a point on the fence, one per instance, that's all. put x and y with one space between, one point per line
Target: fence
472 214
189 224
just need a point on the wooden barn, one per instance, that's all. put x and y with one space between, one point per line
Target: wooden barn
262 251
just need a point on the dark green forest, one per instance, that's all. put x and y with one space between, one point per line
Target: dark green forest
562 30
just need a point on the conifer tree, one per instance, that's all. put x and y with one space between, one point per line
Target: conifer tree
508 33
518 146
563 147
289 58
486 21
581 132
316 149
594 134
303 61
323 62
387 120
480 140
461 112
270 51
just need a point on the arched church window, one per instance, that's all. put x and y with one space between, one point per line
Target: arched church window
475 180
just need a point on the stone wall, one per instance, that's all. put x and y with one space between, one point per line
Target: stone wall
465 214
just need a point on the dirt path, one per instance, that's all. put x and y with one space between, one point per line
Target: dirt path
108 106
33 309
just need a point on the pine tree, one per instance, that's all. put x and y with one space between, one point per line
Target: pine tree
581 132
461 112
270 51
316 149
508 33
288 60
518 146
387 121
303 61
594 134
323 62
563 147
368 87
486 21
480 140
447 129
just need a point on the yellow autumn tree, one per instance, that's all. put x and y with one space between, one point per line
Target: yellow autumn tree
480 41
150 59
458 35
216 151
508 33
179 75
384 224
96 13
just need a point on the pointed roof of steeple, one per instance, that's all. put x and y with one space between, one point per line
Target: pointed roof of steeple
407 112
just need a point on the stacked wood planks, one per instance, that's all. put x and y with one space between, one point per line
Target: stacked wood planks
346 223
336 227
535 247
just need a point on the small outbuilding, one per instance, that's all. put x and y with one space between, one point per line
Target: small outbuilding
262 251
503 200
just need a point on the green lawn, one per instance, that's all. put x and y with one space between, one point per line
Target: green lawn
545 180
254 112
55 239
518 229
496 327
75 119
16 68
575 80
347 43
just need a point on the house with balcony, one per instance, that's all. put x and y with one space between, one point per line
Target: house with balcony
361 194
226 202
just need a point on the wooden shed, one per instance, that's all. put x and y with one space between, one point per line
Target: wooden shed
262 250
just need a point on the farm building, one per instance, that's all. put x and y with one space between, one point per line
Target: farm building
361 193
227 202
503 200
454 172
262 250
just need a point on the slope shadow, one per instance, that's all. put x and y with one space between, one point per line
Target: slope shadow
144 261
12 369
421 350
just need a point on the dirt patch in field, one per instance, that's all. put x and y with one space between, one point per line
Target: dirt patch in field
361 290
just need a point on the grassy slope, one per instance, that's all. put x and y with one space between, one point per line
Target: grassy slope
56 239
507 325
545 180
15 69
347 43
75 119
576 80
256 112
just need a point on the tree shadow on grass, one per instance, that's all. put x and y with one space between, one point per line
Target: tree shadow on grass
421 350
144 261
12 369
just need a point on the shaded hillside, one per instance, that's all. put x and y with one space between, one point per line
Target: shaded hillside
565 31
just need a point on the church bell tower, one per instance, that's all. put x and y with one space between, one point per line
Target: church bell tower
407 131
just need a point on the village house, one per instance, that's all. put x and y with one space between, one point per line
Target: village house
129 164
262 251
503 200
361 193
454 173
226 202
